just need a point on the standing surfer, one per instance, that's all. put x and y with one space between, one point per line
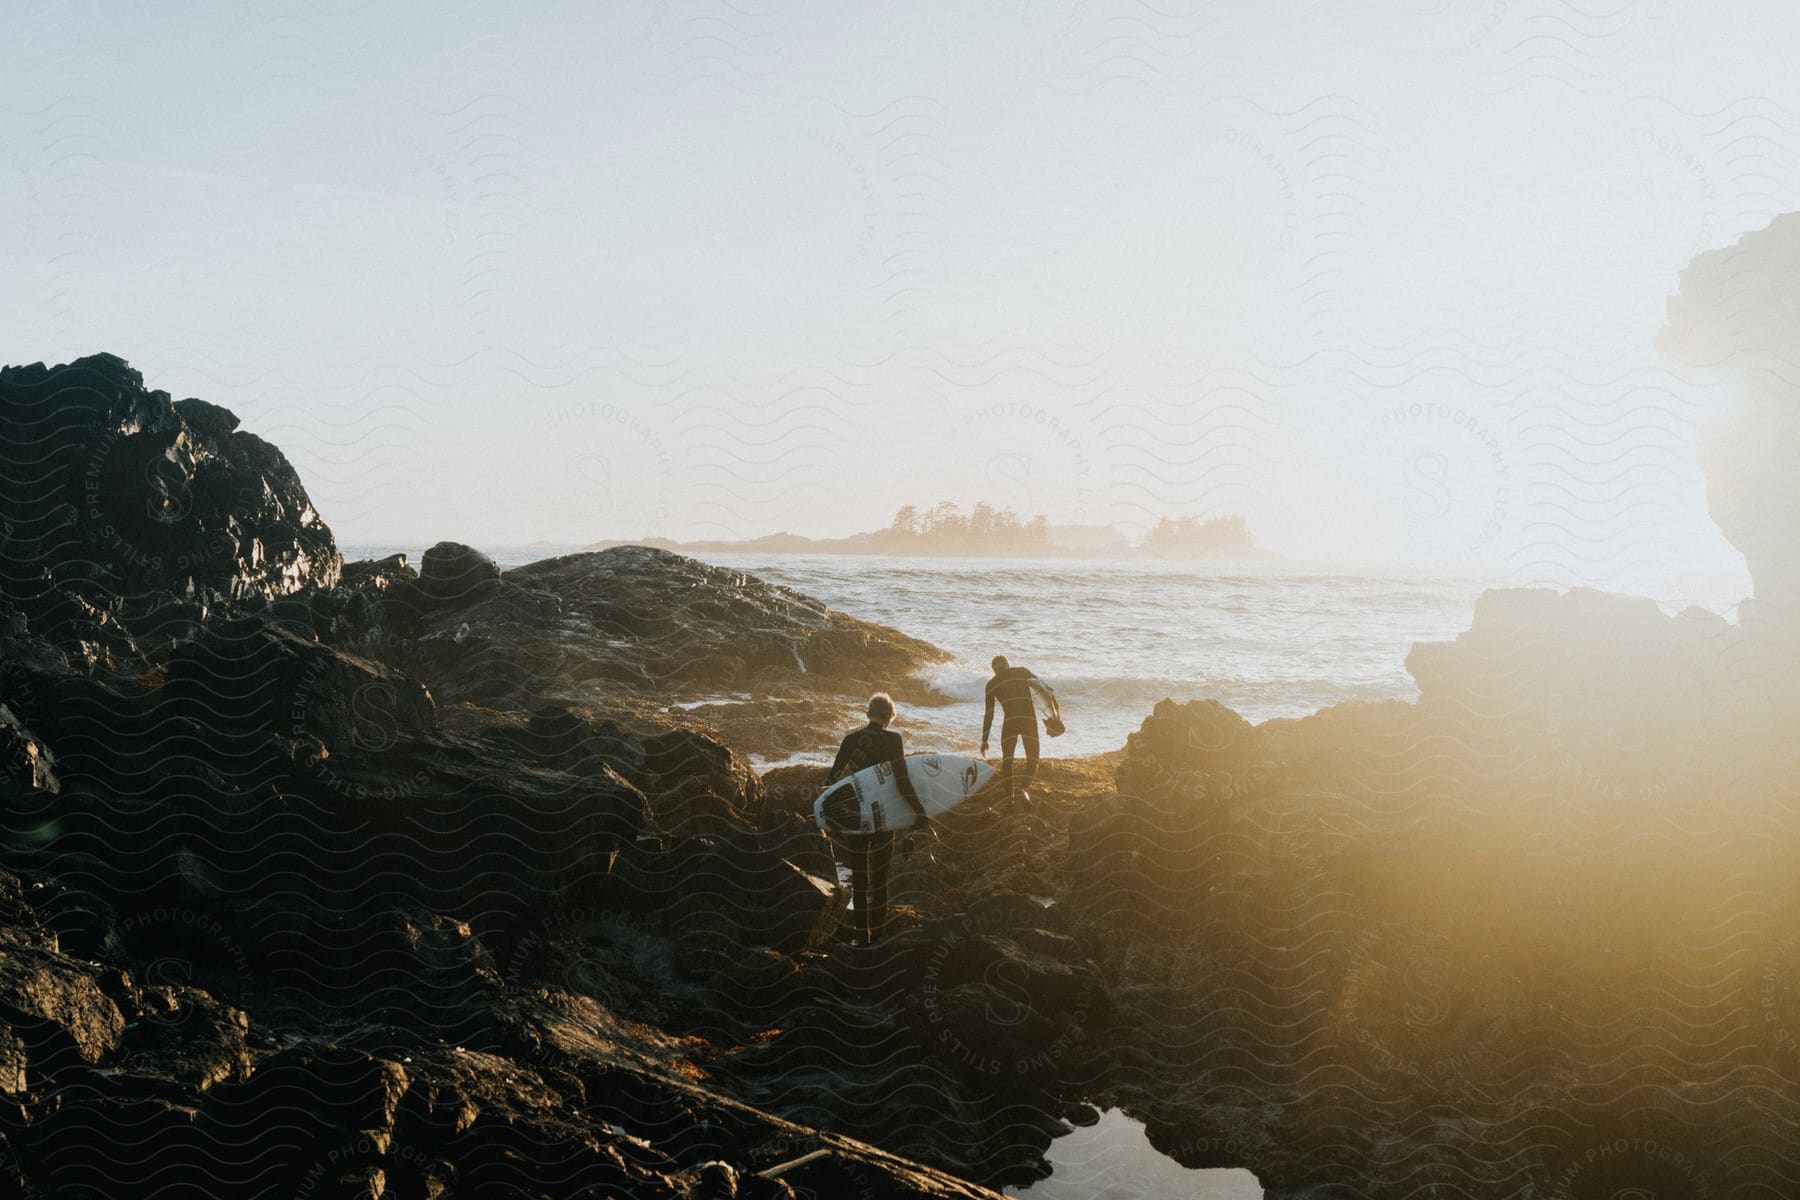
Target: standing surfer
1015 688
871 854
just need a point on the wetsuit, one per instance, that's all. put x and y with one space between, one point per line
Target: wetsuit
1012 689
871 854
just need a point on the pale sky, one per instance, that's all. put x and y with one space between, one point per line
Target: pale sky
1382 277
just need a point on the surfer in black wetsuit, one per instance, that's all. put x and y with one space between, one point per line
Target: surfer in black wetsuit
1014 688
871 854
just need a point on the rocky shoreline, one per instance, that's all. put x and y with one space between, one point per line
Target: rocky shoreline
359 879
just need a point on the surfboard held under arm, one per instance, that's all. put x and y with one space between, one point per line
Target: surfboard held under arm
870 800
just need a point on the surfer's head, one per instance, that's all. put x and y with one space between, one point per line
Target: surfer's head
999 664
881 708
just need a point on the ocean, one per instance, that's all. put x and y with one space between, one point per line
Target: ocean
1269 638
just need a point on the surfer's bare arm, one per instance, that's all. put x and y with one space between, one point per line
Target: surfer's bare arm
987 718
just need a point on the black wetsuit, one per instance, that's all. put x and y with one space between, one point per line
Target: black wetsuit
871 854
1011 688
864 748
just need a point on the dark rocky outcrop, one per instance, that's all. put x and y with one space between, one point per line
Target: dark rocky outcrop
455 576
629 628
650 636
117 1085
990 1010
1733 321
258 675
24 759
690 622
1144 854
1547 900
116 502
283 912
692 784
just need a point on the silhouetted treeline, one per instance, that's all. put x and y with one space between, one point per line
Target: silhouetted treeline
1185 537
986 531
945 527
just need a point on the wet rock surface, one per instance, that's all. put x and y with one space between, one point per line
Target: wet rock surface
116 501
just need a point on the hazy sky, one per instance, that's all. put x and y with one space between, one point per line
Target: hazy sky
1381 276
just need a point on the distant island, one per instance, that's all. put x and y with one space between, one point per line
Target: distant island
945 531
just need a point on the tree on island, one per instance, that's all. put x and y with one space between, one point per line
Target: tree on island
945 528
987 531
1186 537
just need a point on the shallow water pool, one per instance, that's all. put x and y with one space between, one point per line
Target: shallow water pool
1112 1159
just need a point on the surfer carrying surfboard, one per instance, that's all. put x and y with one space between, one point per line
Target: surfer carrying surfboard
871 853
1017 690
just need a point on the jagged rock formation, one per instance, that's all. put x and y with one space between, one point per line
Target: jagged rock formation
1732 328
114 500
633 621
1733 319
281 910
1533 932
632 630
121 1078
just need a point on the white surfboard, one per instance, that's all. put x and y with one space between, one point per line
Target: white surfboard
870 799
